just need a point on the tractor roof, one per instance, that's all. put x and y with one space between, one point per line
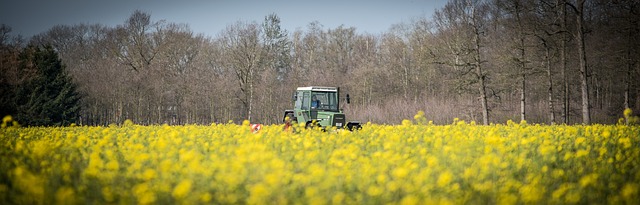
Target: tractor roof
319 88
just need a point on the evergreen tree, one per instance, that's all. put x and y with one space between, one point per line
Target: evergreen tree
278 46
50 97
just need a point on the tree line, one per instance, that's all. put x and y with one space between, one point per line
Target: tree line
544 61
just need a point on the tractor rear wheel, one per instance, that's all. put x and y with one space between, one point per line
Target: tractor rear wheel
354 126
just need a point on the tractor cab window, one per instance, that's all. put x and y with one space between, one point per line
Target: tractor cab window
324 100
299 96
306 100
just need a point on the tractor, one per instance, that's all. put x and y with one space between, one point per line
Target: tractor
317 106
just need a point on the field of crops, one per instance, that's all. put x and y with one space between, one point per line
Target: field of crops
412 163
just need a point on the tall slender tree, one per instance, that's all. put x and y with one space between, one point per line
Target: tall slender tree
243 53
518 12
582 59
463 26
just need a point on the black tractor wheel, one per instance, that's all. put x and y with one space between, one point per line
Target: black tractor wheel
354 126
311 125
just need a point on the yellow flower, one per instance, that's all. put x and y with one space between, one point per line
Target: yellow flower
205 198
419 115
602 151
560 191
409 200
629 191
507 199
572 197
149 174
588 180
374 190
128 123
113 165
147 198
65 195
531 193
143 193
420 118
581 153
625 141
381 179
444 179
258 194
7 119
400 173
107 194
182 189
338 198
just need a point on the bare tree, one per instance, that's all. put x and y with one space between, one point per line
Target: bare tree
11 77
427 77
518 20
631 14
243 53
566 106
578 8
368 68
398 61
307 53
462 24
216 82
547 30
174 85
137 46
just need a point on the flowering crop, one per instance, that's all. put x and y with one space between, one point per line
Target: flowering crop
405 164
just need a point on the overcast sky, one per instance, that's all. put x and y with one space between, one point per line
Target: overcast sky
30 17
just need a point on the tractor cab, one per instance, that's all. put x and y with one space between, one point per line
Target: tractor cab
319 106
317 99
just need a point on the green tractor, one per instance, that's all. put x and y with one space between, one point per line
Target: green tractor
319 106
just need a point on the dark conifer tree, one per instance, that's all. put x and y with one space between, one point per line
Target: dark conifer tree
50 97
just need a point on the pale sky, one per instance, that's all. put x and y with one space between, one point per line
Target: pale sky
30 17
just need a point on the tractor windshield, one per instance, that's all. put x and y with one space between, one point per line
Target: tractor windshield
324 100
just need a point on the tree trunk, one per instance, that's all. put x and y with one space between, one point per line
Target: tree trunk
552 116
627 83
480 74
563 60
482 87
627 87
483 98
523 82
523 64
216 117
250 107
584 85
405 81
523 97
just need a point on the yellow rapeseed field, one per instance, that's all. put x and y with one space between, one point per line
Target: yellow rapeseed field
412 163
